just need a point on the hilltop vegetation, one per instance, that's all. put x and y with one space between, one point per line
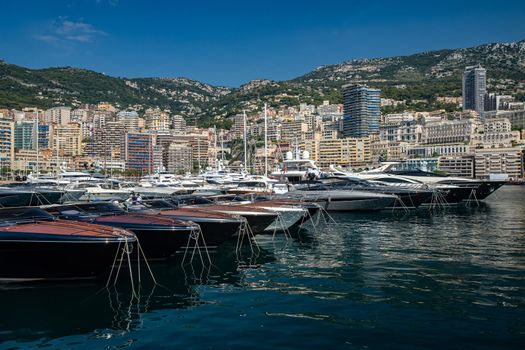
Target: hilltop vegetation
418 79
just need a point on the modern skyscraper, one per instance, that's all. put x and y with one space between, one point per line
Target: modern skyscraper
474 88
361 110
25 134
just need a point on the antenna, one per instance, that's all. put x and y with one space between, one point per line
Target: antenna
265 140
245 141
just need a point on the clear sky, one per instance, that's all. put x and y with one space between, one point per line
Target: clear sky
231 42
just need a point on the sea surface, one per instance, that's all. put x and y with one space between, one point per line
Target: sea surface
447 279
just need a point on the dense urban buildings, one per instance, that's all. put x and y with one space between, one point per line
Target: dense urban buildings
485 138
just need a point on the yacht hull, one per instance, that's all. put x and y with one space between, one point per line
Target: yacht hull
51 260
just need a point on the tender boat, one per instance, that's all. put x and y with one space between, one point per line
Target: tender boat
160 237
36 246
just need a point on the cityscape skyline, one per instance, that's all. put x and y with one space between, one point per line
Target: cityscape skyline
231 43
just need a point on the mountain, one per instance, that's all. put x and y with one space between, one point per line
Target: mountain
23 87
417 78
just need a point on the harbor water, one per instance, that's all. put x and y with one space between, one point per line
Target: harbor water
451 278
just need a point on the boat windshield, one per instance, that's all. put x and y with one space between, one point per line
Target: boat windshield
298 166
20 215
86 209
99 208
250 184
159 204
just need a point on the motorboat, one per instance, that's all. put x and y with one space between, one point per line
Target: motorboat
481 188
451 190
292 213
256 184
296 169
344 200
106 190
25 195
216 227
36 246
160 237
258 218
63 178
408 198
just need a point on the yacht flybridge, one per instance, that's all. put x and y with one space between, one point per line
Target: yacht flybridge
297 169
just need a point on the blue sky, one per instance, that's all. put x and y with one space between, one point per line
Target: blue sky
231 42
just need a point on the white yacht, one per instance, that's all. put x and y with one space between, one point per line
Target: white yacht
62 178
297 169
101 190
160 178
254 184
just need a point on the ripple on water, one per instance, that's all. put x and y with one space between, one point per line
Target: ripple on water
453 278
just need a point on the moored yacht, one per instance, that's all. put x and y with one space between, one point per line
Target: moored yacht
159 237
28 195
296 169
344 200
216 227
36 246
253 184
408 198
454 189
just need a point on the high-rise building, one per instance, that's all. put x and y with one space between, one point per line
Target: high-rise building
142 152
44 136
67 140
361 110
157 120
58 115
78 115
107 142
130 120
7 143
474 88
25 134
179 124
180 158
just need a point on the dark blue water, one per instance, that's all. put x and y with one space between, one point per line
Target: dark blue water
453 279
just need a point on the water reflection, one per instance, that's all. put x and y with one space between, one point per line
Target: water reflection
44 311
381 280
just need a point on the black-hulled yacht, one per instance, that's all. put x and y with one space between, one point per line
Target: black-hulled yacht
36 246
216 227
159 237
407 197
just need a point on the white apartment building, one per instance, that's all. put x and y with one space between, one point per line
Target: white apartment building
428 151
499 161
495 132
404 131
462 166
449 131
130 120
58 115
